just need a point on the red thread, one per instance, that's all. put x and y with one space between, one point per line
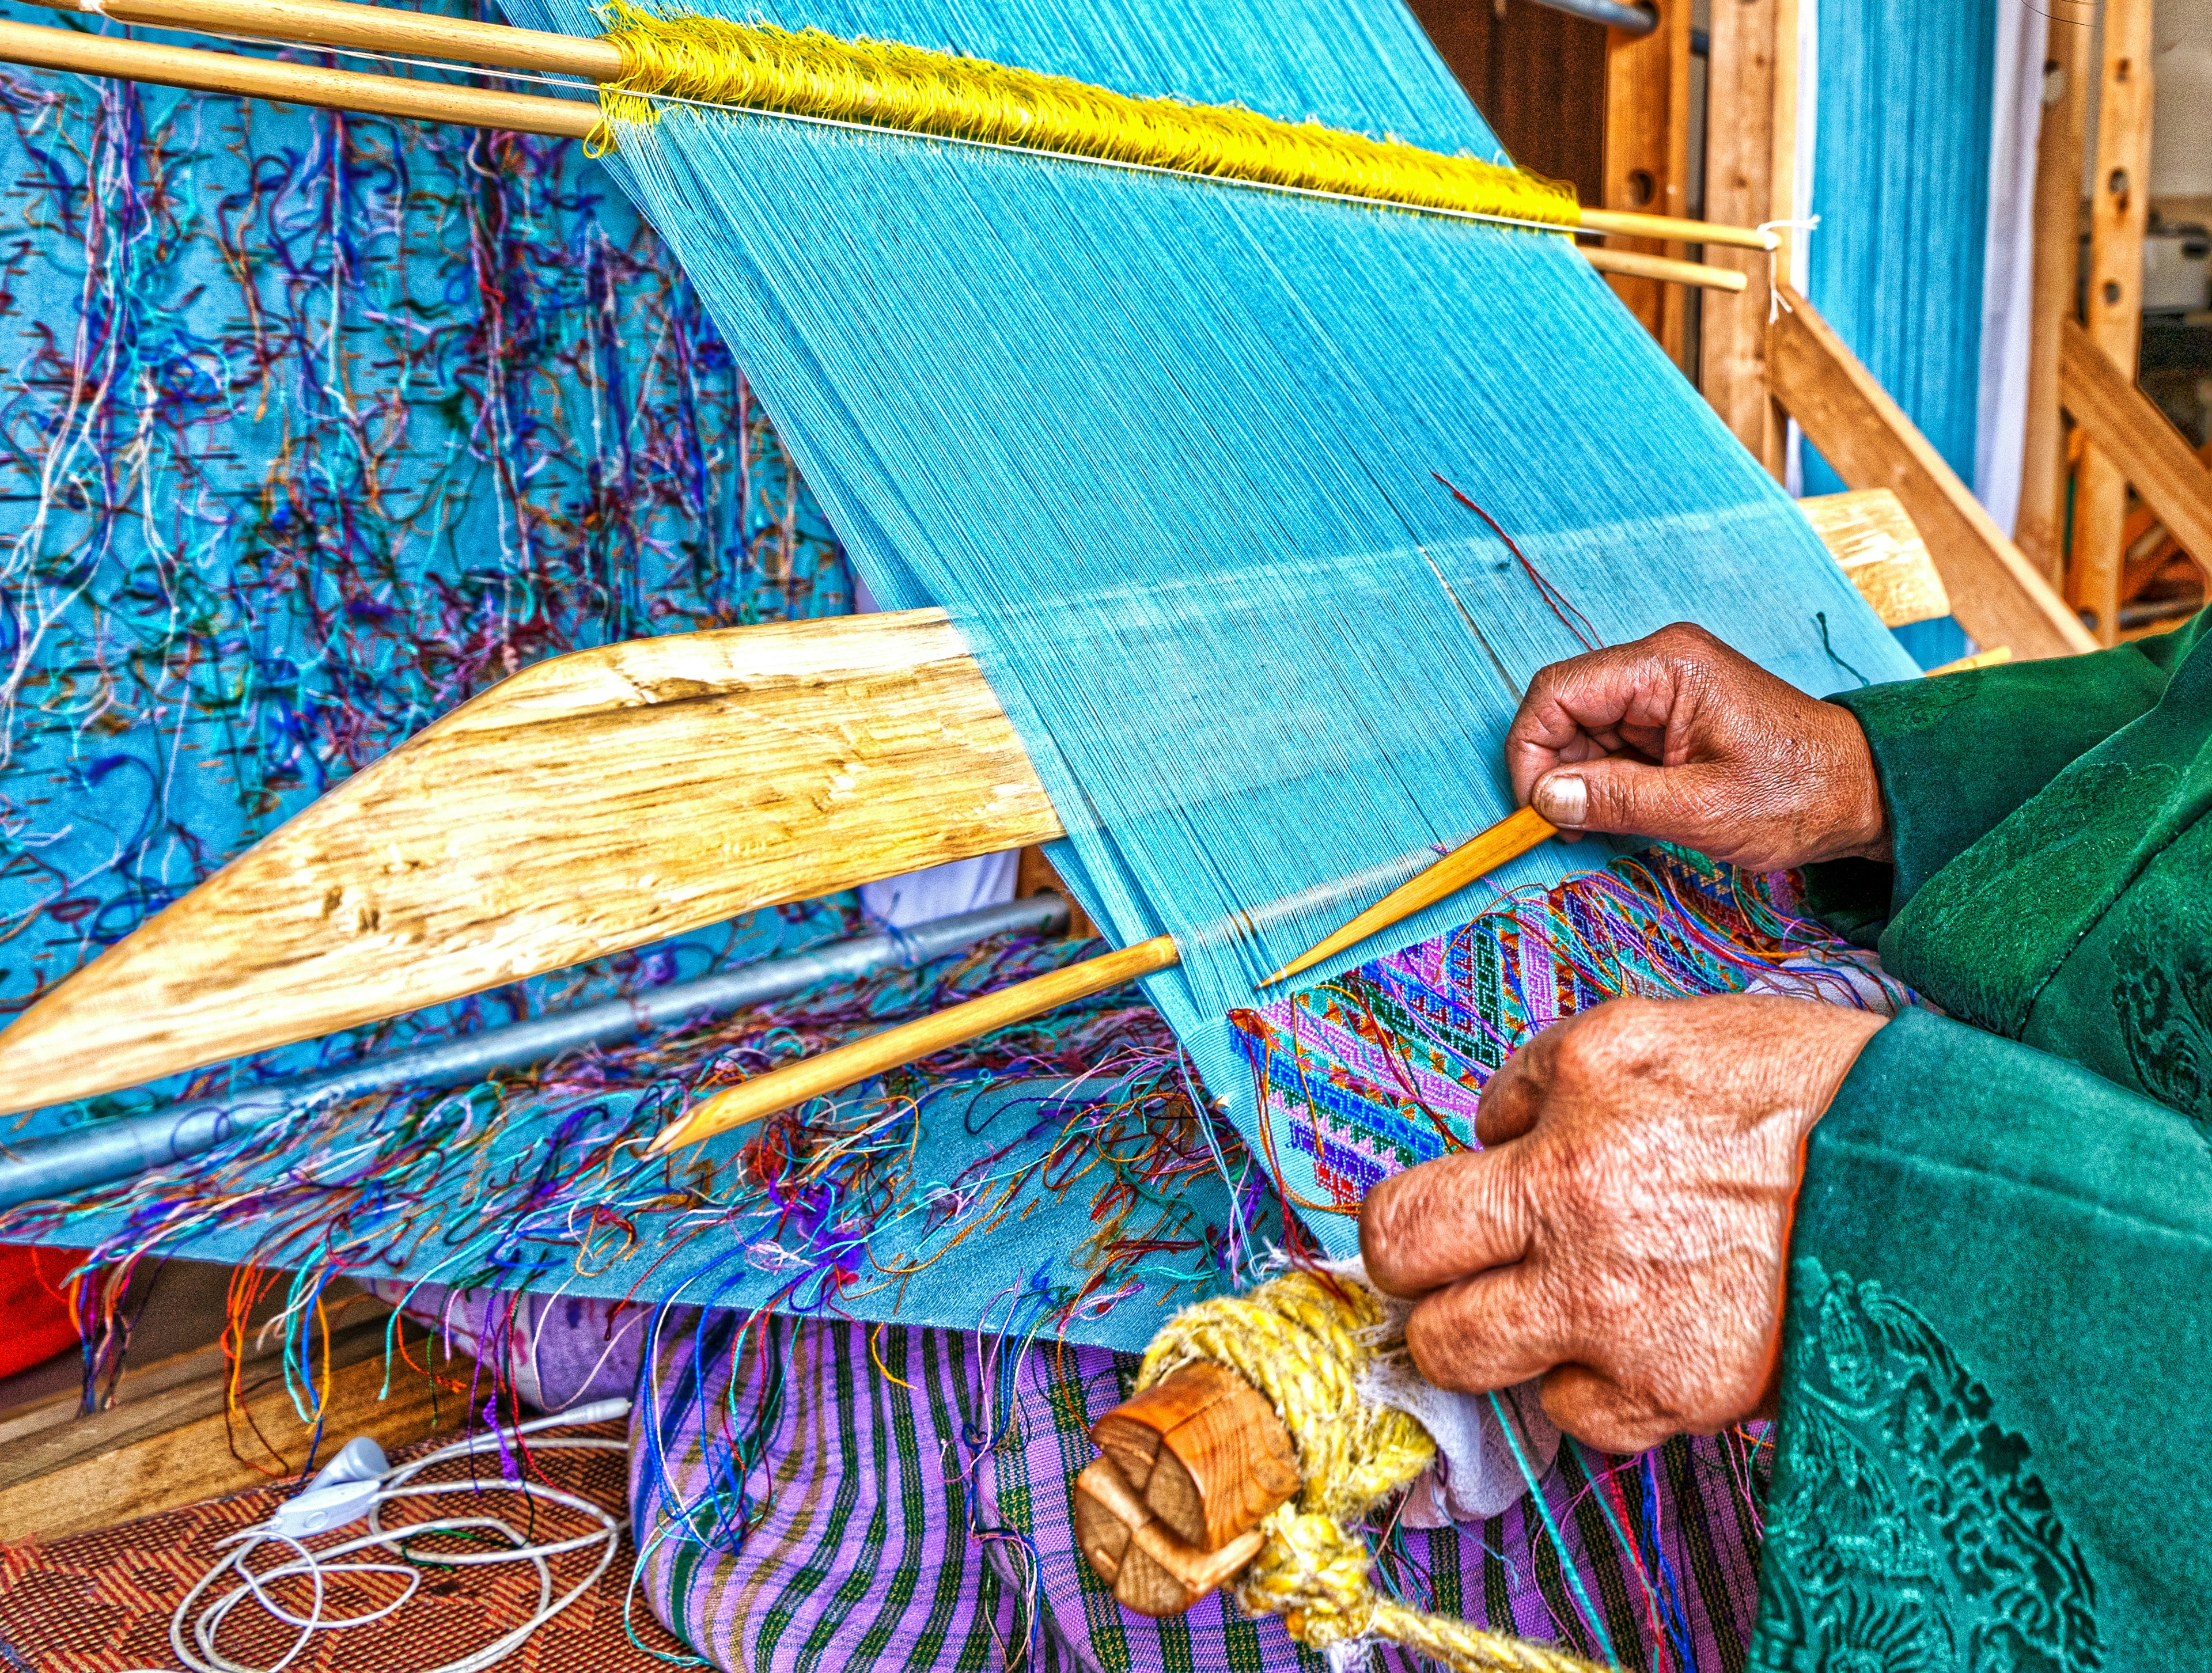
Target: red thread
1572 619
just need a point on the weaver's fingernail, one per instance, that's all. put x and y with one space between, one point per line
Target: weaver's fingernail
1563 798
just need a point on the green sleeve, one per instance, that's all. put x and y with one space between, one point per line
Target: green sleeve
1958 753
1994 1447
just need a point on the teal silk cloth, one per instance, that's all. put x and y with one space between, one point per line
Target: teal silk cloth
1994 1448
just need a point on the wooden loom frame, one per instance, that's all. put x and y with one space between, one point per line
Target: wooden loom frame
1762 363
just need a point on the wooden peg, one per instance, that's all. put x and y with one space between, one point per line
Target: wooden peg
1190 1467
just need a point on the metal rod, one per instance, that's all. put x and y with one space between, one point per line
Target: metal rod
119 1149
1629 19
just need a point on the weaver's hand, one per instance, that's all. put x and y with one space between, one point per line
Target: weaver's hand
1710 751
1623 1234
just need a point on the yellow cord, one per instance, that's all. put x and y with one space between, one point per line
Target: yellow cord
1304 1341
911 89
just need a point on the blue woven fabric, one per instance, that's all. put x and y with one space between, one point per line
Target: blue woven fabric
1167 450
1901 183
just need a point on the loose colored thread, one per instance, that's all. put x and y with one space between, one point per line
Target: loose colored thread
1572 619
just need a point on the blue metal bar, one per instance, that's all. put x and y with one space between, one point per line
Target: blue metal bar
1633 20
119 1149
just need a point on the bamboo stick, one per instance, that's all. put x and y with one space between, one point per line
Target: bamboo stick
1673 228
1508 840
441 101
1635 266
847 1065
372 29
295 84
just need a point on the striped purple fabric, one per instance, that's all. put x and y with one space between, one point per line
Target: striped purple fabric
816 1495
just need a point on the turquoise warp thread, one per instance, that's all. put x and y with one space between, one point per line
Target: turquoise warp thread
1166 449
1900 179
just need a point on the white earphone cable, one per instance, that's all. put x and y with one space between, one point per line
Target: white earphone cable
193 1630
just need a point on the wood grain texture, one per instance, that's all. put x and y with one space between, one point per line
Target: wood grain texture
1190 1466
1223 1467
2149 545
2069 78
1151 1571
2127 428
174 1446
1869 533
2120 214
591 802
1740 187
1998 596
295 84
1204 1451
1647 156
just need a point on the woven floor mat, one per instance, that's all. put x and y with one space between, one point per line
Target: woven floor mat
101 1602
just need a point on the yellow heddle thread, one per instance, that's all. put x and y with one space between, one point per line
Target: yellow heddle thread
911 89
1304 1341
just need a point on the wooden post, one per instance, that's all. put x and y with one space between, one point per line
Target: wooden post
2137 441
1744 96
2119 209
2067 69
1647 156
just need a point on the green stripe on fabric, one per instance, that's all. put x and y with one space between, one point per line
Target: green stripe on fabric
1552 1582
891 1430
807 1460
1683 1465
1103 1619
822 1553
943 1365
979 1650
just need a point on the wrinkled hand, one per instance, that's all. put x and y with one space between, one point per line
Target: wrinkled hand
1623 1232
1711 751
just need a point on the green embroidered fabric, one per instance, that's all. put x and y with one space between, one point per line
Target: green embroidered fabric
2046 818
1993 1446
1951 1555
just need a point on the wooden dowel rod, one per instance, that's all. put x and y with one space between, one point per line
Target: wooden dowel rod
848 1065
1629 223
371 28
1664 268
295 84
374 29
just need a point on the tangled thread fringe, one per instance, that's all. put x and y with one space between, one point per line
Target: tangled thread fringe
912 89
1304 1341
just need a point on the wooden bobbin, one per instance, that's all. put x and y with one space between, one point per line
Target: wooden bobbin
1188 1469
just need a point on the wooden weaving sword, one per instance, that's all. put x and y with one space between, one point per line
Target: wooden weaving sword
598 800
